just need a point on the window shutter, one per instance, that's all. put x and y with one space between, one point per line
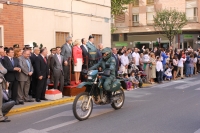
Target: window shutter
191 4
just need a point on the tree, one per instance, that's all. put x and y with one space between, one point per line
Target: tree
118 7
170 22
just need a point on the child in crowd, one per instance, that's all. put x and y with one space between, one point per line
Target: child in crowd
128 83
139 79
168 73
159 69
134 81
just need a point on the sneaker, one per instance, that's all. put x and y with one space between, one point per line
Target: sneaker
135 88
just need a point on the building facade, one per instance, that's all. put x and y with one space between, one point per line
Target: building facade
50 22
135 27
11 23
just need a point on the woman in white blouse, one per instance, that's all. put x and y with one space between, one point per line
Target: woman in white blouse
146 61
181 60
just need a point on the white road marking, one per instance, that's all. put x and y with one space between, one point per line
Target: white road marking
181 87
198 131
96 112
197 89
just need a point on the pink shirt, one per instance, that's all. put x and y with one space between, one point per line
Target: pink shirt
77 53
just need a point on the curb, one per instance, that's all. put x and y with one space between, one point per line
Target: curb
39 106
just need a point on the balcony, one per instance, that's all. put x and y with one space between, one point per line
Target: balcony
135 23
150 22
192 19
150 2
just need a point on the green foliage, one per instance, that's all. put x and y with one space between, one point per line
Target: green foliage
117 6
35 44
41 46
170 22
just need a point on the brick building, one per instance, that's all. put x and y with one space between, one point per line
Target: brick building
135 26
11 24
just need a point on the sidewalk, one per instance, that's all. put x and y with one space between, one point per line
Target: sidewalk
27 107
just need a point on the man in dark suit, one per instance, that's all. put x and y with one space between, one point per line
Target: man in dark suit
84 53
66 52
57 62
115 55
33 86
42 73
53 52
13 69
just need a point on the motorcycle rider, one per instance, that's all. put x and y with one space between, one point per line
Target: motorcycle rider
106 63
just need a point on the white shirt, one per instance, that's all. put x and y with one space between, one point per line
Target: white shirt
59 58
35 54
195 60
124 60
175 62
85 47
136 56
146 58
180 62
159 66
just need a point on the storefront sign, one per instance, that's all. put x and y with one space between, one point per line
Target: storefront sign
119 44
188 36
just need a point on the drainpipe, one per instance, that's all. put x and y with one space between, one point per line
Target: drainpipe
72 30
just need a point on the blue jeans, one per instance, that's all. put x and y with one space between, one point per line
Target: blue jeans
191 70
187 70
162 76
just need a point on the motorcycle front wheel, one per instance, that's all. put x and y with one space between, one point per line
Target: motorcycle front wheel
82 106
117 104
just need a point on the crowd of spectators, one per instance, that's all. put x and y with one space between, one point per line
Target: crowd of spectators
157 64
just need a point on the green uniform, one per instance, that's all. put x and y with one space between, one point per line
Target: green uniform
107 81
92 50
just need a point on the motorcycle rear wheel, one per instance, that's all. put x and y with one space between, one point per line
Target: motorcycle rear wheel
80 110
119 103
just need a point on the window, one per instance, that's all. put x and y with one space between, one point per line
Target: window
135 19
115 37
191 14
149 2
97 39
192 11
150 14
61 38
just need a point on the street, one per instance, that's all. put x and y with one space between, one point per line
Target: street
172 107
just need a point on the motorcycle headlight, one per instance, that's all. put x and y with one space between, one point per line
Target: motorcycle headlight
89 77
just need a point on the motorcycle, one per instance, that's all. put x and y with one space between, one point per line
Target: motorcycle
83 103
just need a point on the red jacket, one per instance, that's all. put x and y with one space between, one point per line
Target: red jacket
77 53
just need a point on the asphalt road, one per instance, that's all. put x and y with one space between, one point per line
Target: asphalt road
172 107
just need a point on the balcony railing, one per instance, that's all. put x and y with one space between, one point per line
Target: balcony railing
150 2
135 23
192 19
150 22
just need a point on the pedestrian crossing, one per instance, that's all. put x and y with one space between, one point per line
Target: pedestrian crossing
189 83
